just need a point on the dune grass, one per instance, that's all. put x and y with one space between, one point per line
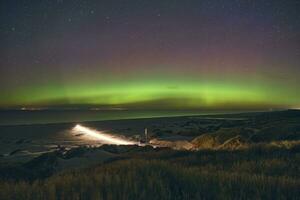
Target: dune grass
251 174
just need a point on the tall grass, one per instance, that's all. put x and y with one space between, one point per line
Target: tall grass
155 179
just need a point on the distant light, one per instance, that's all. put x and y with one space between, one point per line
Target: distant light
31 109
105 138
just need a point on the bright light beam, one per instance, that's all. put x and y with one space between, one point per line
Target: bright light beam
105 138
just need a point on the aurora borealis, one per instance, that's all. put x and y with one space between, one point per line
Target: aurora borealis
167 54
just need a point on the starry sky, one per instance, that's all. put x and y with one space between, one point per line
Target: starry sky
158 54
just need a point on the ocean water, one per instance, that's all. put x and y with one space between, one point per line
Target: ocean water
20 117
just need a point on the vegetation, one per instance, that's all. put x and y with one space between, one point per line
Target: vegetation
256 173
257 158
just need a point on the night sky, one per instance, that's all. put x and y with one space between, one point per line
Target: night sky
146 54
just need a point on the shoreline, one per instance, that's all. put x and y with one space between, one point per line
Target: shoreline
208 115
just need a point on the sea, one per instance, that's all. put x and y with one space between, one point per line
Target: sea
26 117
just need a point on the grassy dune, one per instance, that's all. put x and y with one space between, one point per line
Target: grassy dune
251 174
257 158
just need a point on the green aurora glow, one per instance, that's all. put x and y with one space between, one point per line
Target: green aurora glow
150 54
161 92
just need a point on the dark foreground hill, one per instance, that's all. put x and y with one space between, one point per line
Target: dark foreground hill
167 174
257 157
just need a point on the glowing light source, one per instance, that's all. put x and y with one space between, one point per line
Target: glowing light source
151 92
103 137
